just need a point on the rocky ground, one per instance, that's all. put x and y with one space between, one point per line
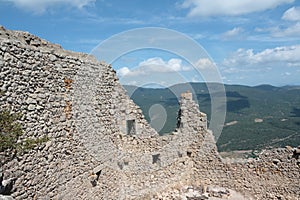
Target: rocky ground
5 197
201 193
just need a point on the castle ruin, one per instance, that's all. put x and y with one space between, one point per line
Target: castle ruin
101 147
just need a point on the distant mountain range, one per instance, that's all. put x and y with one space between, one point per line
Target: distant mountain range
257 117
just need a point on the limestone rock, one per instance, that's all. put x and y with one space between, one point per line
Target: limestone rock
5 197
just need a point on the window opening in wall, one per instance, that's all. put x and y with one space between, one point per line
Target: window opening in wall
189 153
179 123
130 125
126 161
179 154
156 159
95 178
98 174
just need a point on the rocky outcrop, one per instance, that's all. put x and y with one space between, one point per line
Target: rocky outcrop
202 193
6 186
101 147
5 197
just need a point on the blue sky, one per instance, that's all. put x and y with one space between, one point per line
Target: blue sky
251 42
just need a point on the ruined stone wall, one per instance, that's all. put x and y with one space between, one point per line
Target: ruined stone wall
79 104
146 165
32 83
273 175
41 81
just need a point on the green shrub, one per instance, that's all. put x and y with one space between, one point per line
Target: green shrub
30 143
10 130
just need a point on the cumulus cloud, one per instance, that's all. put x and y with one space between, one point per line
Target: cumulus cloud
231 8
235 33
158 64
156 71
123 71
40 6
205 64
279 56
292 14
154 65
291 31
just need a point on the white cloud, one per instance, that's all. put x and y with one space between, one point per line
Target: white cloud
197 36
175 64
123 71
292 14
40 6
279 56
287 33
291 31
205 64
235 33
156 71
231 8
157 64
154 65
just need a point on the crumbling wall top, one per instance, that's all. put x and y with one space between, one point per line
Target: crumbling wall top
187 95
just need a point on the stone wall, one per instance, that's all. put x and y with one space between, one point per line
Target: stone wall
101 147
46 85
148 164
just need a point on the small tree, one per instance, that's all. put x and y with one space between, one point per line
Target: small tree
10 131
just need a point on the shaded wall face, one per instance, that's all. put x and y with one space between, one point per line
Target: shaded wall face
54 88
40 80
38 84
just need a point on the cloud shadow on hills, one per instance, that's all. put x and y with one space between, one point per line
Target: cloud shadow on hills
238 102
295 112
237 105
235 94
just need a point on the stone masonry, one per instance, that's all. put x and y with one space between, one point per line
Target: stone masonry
101 147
